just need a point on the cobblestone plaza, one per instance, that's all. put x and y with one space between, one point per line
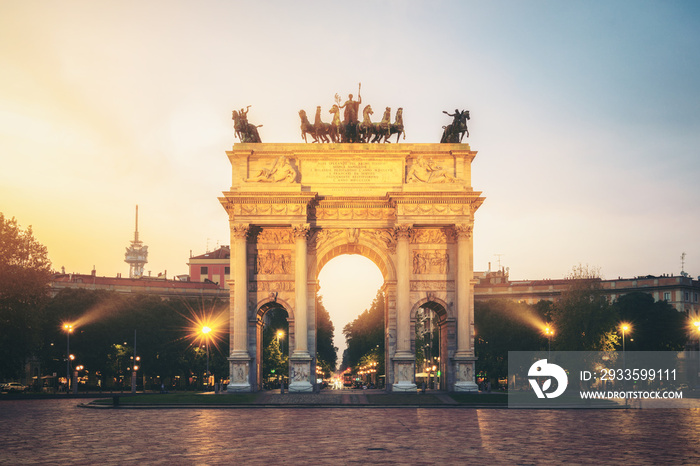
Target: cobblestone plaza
57 431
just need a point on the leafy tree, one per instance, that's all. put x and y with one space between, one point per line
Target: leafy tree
274 362
583 318
655 326
326 353
25 272
502 326
275 354
105 326
365 333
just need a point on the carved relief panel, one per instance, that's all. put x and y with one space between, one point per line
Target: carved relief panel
275 236
273 262
431 261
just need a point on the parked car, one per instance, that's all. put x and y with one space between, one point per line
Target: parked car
14 387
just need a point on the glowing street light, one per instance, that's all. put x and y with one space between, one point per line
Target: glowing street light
68 328
624 327
206 328
206 331
280 335
549 331
696 323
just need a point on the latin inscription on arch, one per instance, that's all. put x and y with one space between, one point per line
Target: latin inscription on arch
350 171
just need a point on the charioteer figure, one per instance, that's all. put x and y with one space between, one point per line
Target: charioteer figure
350 120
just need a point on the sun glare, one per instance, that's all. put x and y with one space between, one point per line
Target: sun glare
207 326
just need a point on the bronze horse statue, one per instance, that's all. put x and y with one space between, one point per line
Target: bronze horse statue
307 127
336 124
325 132
454 133
367 129
245 131
386 129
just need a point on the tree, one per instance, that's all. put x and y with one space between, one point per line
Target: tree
365 333
583 318
655 326
25 272
105 324
275 351
326 353
503 326
275 363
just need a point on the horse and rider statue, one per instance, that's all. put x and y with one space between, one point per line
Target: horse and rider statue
454 133
246 132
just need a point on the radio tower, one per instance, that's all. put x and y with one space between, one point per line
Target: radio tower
136 254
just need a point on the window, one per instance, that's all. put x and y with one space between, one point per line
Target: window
204 270
687 296
227 271
667 296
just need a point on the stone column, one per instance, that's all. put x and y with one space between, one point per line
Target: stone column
464 357
300 360
404 360
239 359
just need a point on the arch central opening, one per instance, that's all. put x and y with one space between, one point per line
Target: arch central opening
349 286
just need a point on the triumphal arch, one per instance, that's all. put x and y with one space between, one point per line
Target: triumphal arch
407 207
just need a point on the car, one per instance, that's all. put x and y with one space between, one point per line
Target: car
14 387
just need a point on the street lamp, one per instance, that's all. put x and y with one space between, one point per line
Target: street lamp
549 331
68 328
206 330
697 328
624 327
280 335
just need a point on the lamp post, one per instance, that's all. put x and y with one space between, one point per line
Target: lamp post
697 328
206 330
280 335
625 327
68 329
75 378
134 367
549 331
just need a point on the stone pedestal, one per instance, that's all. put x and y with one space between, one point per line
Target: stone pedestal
299 374
464 375
239 375
404 375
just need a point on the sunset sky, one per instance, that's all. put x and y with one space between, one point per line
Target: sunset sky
585 116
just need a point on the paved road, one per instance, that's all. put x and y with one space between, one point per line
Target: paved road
57 432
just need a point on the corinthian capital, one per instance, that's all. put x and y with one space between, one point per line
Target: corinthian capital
301 230
403 231
239 230
463 231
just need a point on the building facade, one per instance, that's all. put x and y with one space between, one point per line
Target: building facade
166 289
681 291
212 267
